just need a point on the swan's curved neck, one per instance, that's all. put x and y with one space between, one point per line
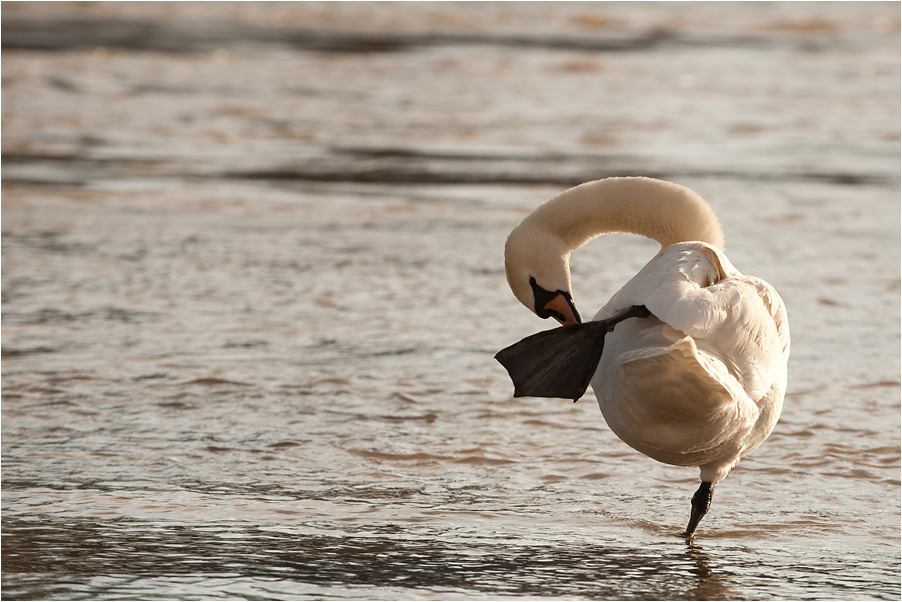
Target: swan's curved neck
537 253
666 212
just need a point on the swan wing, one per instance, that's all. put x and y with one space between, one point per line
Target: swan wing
738 319
732 322
690 401
692 385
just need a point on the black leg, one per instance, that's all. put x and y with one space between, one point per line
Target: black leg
701 501
634 311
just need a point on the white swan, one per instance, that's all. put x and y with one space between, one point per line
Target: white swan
695 371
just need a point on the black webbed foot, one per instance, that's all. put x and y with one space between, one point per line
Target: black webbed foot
561 362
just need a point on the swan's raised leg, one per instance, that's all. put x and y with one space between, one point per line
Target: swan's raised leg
634 311
561 362
701 501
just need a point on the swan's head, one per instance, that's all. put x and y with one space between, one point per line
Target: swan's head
538 271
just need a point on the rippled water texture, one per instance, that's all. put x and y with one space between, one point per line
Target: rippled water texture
253 286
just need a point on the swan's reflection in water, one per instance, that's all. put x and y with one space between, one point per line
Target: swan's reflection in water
113 559
708 585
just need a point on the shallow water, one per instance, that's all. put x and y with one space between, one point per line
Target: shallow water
252 287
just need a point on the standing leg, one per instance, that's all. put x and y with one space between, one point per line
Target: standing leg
701 501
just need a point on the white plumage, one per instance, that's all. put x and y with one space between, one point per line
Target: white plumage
700 381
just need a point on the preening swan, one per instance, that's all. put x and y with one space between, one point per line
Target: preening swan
688 360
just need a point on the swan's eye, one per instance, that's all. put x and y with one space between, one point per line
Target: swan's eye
540 297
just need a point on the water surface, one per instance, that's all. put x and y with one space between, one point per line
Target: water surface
253 284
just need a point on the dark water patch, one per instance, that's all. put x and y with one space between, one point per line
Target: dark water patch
411 166
75 170
67 35
45 182
152 376
102 558
213 382
53 316
325 490
407 176
245 344
284 444
399 166
177 405
882 383
81 551
12 352
67 158
53 241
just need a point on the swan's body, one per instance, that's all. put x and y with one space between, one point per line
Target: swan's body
698 382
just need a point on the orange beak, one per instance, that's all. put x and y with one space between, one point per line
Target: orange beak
561 308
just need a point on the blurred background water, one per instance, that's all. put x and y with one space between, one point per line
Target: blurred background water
253 284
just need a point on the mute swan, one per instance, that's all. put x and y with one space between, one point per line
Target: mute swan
687 360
